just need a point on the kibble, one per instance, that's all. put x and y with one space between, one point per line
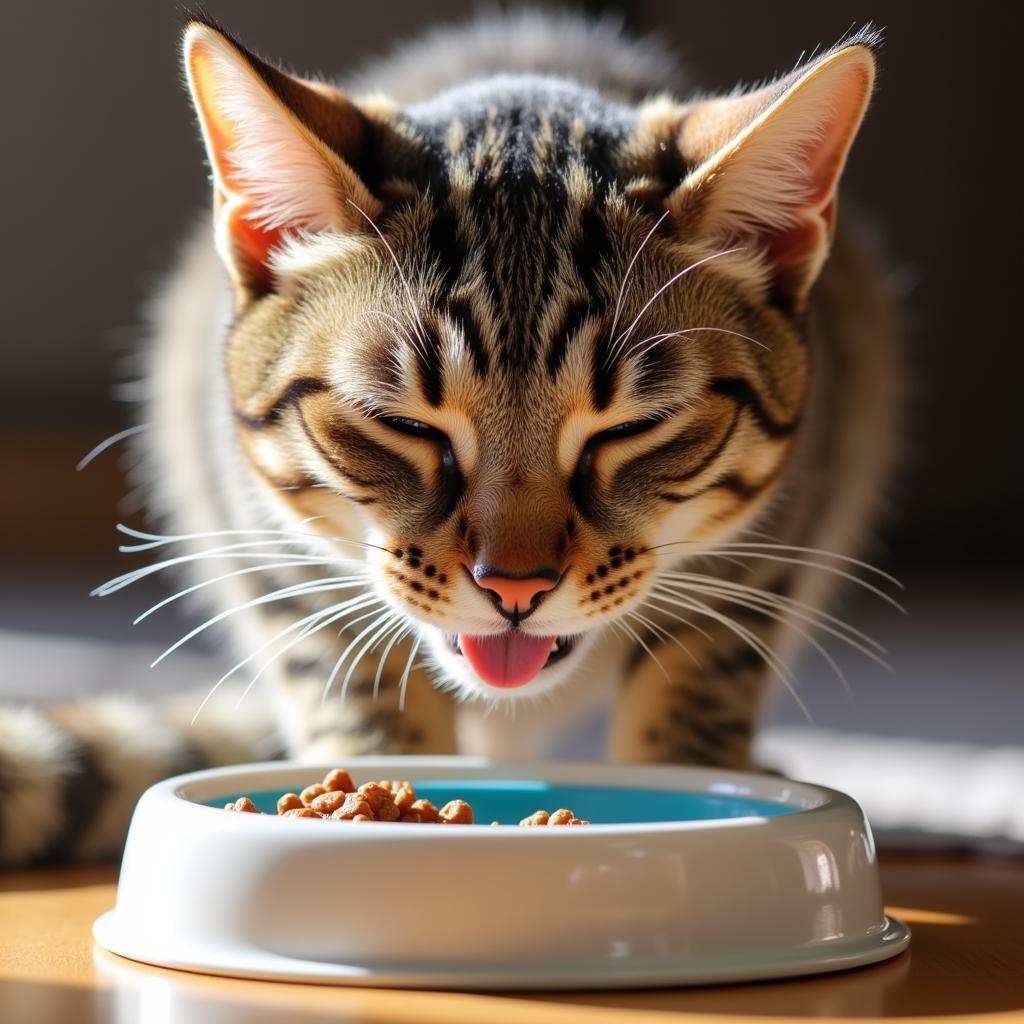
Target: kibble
338 798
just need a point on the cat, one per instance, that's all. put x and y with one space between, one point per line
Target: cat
504 382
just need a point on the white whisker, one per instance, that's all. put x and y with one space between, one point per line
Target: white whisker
403 631
786 620
656 631
344 654
774 662
618 342
807 612
276 595
401 274
404 681
242 572
629 271
312 624
390 622
109 442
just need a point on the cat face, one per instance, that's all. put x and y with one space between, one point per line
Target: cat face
519 339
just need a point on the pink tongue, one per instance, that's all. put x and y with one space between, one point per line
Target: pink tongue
511 659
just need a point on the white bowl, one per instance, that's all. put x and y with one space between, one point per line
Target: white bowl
791 889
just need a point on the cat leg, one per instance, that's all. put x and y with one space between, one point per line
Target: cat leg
692 706
374 709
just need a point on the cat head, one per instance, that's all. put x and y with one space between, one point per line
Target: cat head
520 341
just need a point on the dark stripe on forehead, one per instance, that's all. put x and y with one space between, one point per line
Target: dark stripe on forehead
429 366
742 392
602 374
591 248
576 311
461 313
445 245
294 393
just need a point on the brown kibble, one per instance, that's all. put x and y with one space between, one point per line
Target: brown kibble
243 803
310 793
401 791
354 805
289 802
388 811
328 803
375 794
338 798
422 811
537 818
456 812
380 799
339 780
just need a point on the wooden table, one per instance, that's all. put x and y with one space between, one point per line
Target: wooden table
966 961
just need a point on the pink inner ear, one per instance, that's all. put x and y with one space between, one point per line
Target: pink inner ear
250 244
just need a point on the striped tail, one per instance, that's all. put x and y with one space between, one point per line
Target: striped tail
70 774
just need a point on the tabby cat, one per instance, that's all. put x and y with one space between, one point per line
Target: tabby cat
507 374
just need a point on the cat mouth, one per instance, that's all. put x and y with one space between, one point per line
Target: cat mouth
510 659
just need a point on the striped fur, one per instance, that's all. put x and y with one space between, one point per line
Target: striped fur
604 313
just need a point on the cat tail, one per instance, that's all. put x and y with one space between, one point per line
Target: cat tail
70 774
595 51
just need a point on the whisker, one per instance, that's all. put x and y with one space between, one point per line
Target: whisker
275 595
241 572
239 552
315 623
618 343
404 681
780 600
640 640
391 622
657 339
774 662
711 553
344 654
756 546
121 435
404 631
288 536
629 271
330 614
656 630
786 621
401 274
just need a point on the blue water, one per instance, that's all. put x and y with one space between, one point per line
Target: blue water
510 800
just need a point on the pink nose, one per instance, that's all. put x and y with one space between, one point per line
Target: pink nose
516 594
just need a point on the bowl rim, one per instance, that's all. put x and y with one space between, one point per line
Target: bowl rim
806 799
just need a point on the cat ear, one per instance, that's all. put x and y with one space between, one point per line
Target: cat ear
277 149
767 164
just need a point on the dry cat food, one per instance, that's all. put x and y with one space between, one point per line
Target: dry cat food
339 799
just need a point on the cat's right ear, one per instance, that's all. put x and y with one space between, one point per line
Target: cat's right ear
279 151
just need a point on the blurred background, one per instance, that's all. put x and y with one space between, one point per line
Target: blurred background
103 172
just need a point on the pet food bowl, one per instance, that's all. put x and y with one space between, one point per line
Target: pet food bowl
684 876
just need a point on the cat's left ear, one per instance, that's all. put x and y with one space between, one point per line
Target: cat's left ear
281 151
766 165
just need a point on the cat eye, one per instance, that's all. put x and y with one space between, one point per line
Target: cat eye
414 428
628 429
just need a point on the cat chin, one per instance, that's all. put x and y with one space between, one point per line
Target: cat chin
453 673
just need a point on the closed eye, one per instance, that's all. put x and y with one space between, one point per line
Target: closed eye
414 428
631 428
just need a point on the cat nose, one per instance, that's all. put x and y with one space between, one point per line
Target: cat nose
517 593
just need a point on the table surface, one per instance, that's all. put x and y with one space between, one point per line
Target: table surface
966 961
